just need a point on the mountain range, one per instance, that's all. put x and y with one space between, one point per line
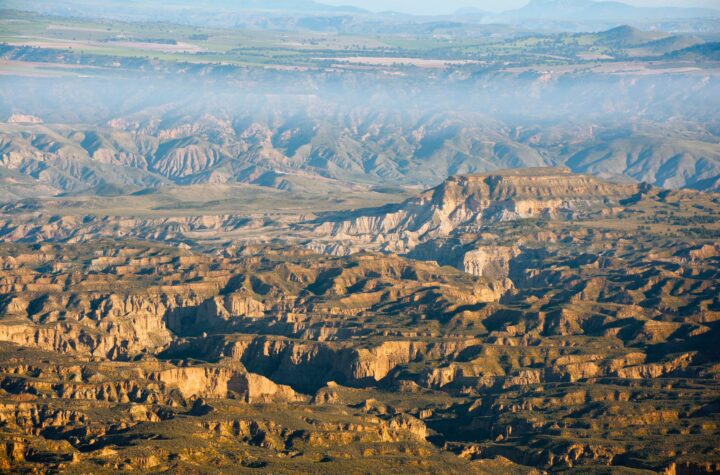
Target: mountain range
217 150
556 14
281 237
623 129
591 10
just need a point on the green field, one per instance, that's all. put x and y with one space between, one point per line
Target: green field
315 49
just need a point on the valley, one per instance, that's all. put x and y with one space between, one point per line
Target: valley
289 237
487 360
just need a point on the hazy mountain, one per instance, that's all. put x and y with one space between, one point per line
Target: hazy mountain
180 6
224 13
289 5
565 15
284 151
470 12
588 15
625 35
590 10
701 52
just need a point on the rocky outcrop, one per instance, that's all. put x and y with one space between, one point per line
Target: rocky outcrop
491 262
24 119
111 326
465 203
656 370
211 382
579 344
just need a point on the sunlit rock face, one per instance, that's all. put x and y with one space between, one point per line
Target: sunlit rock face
570 325
464 204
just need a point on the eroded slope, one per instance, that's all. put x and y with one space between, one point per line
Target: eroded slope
570 325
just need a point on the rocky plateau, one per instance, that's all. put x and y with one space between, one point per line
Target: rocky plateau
517 322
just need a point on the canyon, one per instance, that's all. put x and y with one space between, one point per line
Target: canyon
284 237
513 322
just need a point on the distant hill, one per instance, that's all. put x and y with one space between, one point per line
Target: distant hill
703 52
470 12
589 10
564 15
184 11
626 35
672 43
645 42
288 5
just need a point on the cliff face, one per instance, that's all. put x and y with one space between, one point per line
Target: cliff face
99 324
463 204
460 205
220 382
492 262
143 301
590 340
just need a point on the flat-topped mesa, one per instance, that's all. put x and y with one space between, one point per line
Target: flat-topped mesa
530 183
469 201
525 192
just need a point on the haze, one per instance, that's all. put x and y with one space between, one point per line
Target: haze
442 7
278 237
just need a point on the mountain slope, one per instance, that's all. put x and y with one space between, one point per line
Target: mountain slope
342 150
590 10
624 36
670 162
701 52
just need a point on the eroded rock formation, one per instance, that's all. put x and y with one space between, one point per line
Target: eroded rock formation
582 337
